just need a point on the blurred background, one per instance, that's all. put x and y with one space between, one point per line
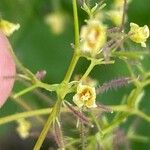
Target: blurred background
40 47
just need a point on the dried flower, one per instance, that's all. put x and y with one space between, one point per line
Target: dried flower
85 96
56 22
8 28
23 128
93 37
139 34
7 69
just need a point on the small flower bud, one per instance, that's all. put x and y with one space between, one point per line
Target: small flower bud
40 74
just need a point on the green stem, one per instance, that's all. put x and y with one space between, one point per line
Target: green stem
24 77
138 138
71 68
91 66
142 115
47 125
135 97
115 123
147 75
93 63
39 84
125 108
118 108
48 87
68 75
27 114
24 91
76 25
97 125
122 117
76 55
146 83
130 70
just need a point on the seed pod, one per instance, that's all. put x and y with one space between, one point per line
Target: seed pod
7 69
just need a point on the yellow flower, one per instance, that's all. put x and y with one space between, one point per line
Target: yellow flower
23 128
85 96
116 16
139 34
93 37
56 21
7 27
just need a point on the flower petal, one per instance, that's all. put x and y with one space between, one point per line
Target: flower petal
7 69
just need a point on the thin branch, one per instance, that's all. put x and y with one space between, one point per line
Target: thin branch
123 15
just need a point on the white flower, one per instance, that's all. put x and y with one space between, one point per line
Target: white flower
85 96
93 37
7 27
139 34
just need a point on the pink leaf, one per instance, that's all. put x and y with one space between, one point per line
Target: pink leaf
7 69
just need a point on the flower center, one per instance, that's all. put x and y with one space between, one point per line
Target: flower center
93 35
85 95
